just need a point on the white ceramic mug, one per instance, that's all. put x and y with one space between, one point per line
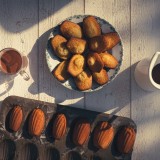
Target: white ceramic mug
143 73
21 71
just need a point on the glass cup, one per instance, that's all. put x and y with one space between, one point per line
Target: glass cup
12 62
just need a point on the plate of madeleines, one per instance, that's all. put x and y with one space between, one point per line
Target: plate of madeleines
84 53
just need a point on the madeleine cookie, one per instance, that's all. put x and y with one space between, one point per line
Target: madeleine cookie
60 71
91 27
36 122
112 39
16 118
103 135
109 60
95 62
76 45
59 126
81 132
84 80
125 139
59 46
76 65
98 44
104 42
100 77
70 29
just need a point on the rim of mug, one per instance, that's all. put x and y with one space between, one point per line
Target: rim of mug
10 48
151 66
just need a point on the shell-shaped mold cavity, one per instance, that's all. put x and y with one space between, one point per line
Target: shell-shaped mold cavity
95 158
28 152
73 155
51 154
7 150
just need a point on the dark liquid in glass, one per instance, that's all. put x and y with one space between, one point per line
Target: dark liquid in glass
11 62
156 73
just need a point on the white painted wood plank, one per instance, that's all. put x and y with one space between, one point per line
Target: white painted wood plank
114 98
145 110
50 14
19 29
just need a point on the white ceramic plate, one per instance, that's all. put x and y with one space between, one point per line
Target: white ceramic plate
53 60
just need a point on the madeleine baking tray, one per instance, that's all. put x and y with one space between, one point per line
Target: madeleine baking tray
21 146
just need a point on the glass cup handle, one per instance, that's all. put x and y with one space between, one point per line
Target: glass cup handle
24 75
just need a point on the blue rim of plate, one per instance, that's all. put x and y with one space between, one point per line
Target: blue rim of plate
70 83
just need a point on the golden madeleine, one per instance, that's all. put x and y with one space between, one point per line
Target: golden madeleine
81 133
95 62
98 44
112 40
125 139
91 27
76 65
103 135
100 77
60 71
70 29
58 43
104 42
76 45
109 60
84 80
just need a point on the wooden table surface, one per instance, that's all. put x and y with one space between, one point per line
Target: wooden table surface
26 24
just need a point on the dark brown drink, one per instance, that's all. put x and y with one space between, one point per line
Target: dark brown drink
10 61
156 73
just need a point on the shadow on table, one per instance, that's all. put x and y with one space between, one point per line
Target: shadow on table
147 152
45 82
6 83
23 14
147 140
117 94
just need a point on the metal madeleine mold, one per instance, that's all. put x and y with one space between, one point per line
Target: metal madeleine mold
45 145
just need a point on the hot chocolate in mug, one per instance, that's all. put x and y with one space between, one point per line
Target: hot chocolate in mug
147 73
12 62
